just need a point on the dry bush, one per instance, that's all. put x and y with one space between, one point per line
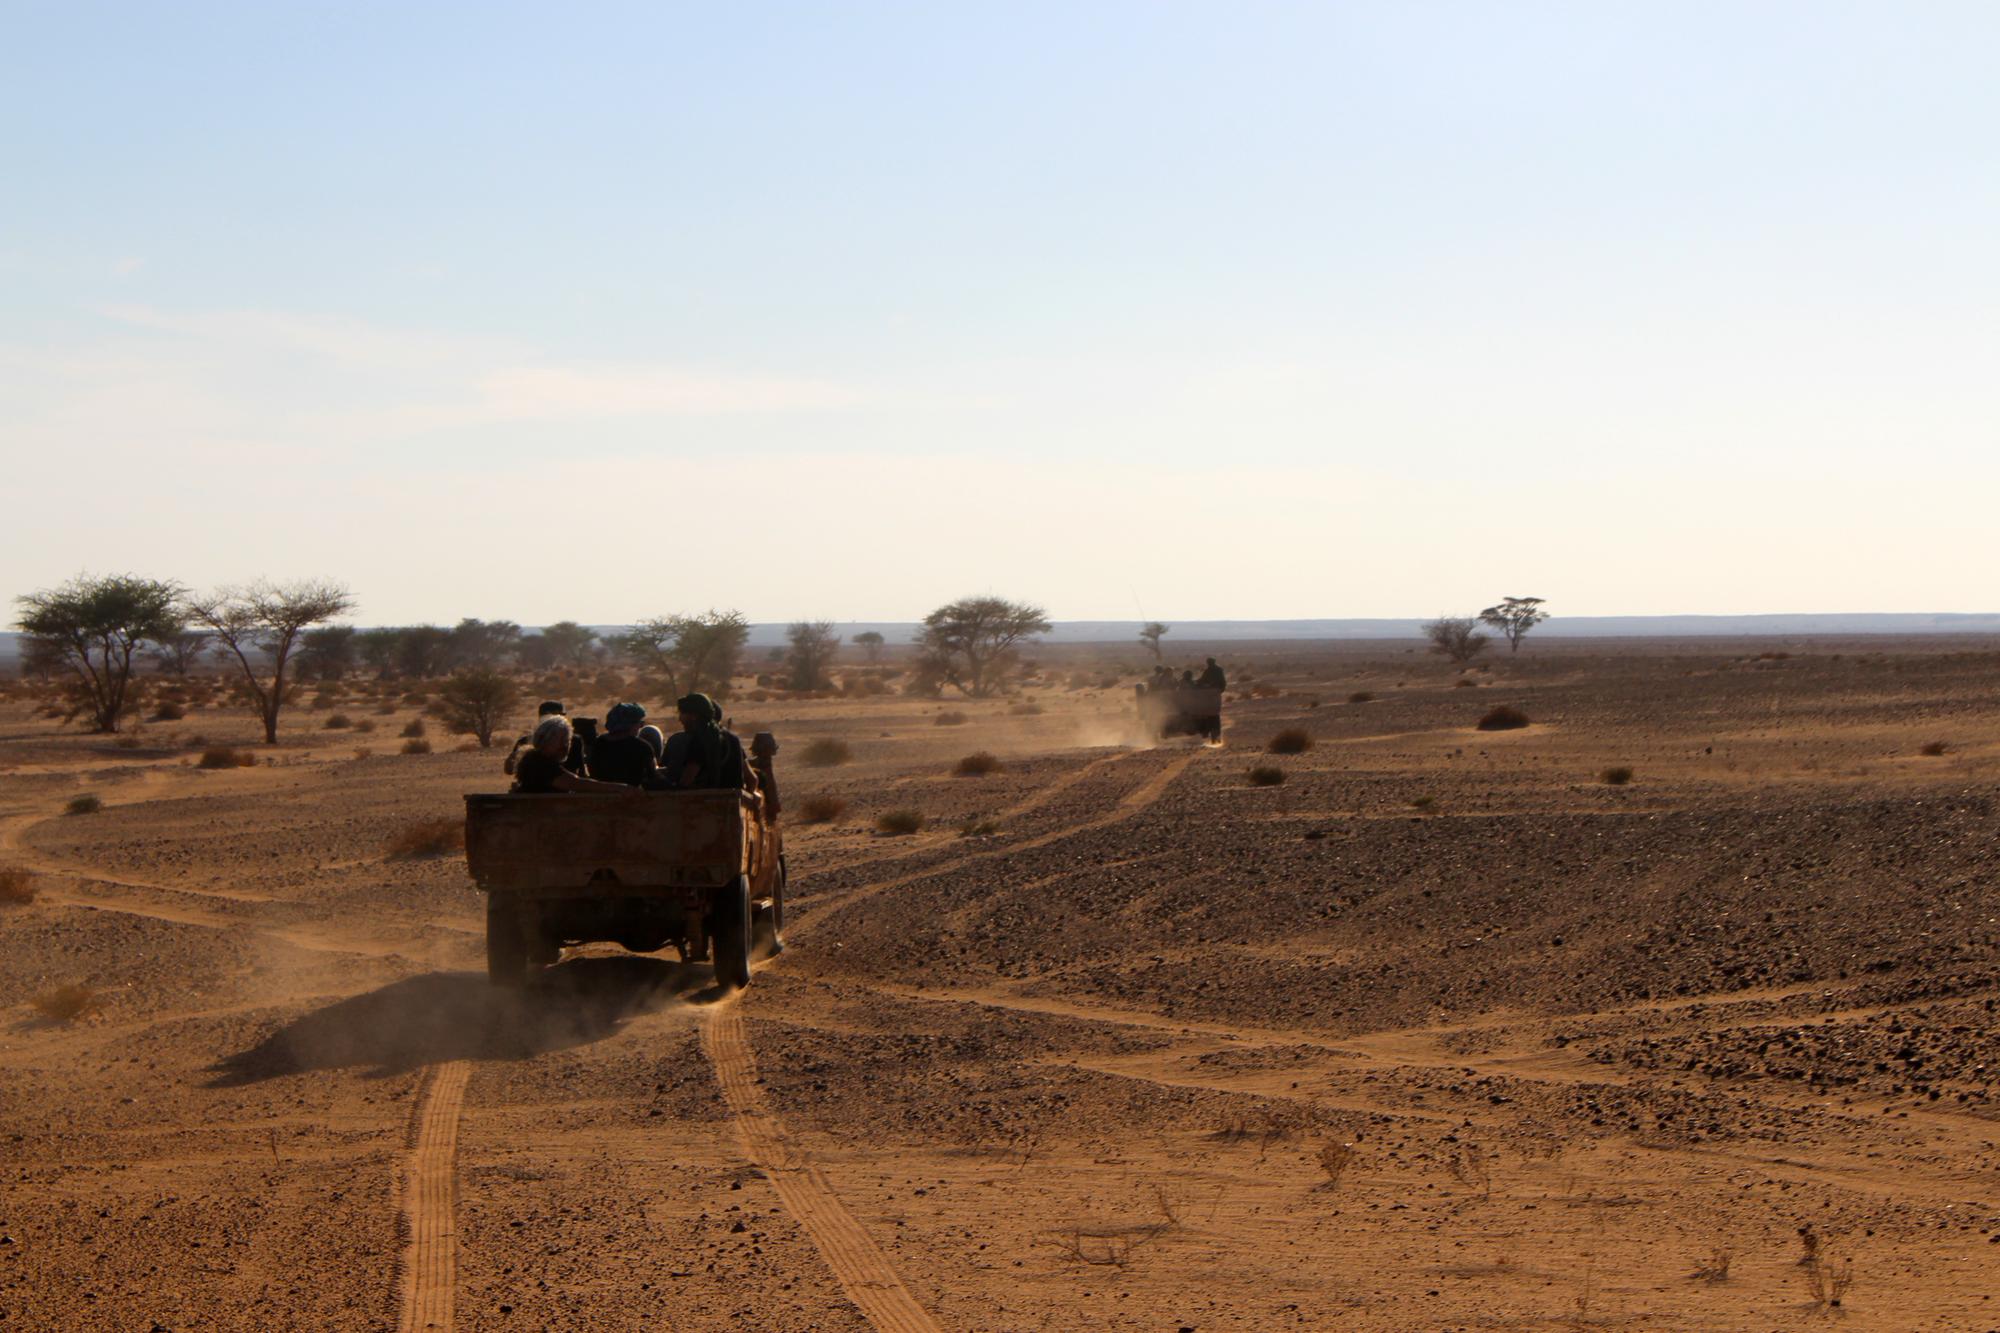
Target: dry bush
1504 717
17 887
1618 776
1463 684
365 725
978 765
416 745
226 758
949 719
1361 697
1472 1168
169 712
978 827
83 805
1266 776
67 1001
414 728
826 753
339 722
426 837
384 709
1292 740
821 809
1715 1268
1828 1279
129 741
1425 803
1936 748
1334 1159
899 823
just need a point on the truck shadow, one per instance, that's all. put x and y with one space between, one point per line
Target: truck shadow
442 1016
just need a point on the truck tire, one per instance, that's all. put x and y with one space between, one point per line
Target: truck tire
506 942
729 934
767 927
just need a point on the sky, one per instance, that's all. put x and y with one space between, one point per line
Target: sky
1163 310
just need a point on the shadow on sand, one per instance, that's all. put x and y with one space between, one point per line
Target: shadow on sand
459 1016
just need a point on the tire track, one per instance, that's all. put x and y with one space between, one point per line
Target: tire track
429 1191
864 1271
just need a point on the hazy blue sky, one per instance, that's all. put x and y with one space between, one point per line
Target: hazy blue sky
1218 310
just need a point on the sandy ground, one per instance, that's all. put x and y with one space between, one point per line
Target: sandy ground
1443 1032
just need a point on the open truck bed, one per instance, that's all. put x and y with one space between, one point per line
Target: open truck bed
701 870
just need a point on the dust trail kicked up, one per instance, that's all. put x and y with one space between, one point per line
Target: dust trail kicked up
864 1271
430 1250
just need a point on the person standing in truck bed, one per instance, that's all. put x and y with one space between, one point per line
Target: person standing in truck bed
619 755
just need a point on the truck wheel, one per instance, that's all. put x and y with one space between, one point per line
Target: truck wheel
767 927
729 934
506 942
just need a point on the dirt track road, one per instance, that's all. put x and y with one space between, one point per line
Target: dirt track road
1167 1051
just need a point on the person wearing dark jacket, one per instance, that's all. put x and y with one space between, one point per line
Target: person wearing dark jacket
1212 678
620 755
703 754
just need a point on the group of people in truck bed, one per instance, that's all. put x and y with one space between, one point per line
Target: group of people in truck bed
629 754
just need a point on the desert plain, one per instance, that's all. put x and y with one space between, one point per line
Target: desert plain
1448 1029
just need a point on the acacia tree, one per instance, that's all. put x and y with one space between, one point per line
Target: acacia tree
476 702
1151 633
327 652
870 642
176 654
92 627
1514 617
1456 637
813 646
973 643
690 653
482 643
264 620
569 642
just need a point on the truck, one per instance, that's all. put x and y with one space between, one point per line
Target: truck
700 870
1180 710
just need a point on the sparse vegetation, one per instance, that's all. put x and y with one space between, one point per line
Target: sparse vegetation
1026 708
1714 1268
949 718
1264 775
66 1002
415 727
1455 637
416 745
974 643
1423 804
1514 617
899 823
826 753
1504 717
476 702
1291 740
1361 697
169 711
426 837
978 765
261 624
821 809
1616 776
339 722
83 805
978 826
1827 1279
219 757
17 887
1936 748
1334 1159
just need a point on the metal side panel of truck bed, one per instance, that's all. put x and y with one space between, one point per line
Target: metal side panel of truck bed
582 843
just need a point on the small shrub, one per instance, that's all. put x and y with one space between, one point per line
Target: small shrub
1424 803
1292 740
65 1002
1616 777
169 712
414 728
1266 776
1361 697
978 827
1463 684
128 742
384 710
225 758
365 725
978 765
826 753
1936 748
426 837
899 823
1505 717
17 887
416 745
339 722
821 809
949 719
83 805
